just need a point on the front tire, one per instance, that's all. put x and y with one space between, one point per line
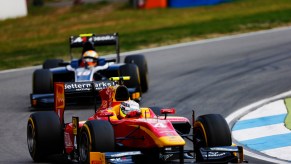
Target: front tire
44 135
96 136
209 131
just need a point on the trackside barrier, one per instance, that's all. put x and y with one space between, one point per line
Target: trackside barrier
149 4
191 3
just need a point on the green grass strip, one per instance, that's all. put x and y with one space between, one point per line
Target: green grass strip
44 33
288 117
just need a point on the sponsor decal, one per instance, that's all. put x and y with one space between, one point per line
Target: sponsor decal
122 154
60 99
176 119
214 154
102 38
93 39
167 156
88 86
170 111
68 141
102 85
77 86
78 40
221 149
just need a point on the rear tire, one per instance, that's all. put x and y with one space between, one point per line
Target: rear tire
141 62
44 135
42 81
210 130
132 71
52 63
101 135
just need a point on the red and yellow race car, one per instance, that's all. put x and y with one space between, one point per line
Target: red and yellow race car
122 132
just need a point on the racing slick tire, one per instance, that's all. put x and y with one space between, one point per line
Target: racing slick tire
132 71
95 136
52 63
141 62
42 81
209 131
44 135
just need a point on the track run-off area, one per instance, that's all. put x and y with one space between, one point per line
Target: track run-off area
231 75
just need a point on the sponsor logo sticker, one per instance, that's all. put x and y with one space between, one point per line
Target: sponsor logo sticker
88 86
68 141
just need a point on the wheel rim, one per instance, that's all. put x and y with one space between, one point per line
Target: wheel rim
84 147
199 142
199 135
31 138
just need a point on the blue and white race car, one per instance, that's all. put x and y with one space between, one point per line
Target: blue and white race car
78 70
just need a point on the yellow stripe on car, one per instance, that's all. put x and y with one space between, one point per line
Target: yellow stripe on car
165 140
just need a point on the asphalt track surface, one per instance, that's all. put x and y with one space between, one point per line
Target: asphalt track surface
210 76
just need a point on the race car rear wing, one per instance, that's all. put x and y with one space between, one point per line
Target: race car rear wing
65 90
97 40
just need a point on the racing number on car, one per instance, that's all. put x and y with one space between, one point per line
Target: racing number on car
159 125
84 73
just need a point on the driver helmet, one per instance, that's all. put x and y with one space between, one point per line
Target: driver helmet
90 58
129 108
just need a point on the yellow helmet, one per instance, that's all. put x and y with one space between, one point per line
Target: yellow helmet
90 57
